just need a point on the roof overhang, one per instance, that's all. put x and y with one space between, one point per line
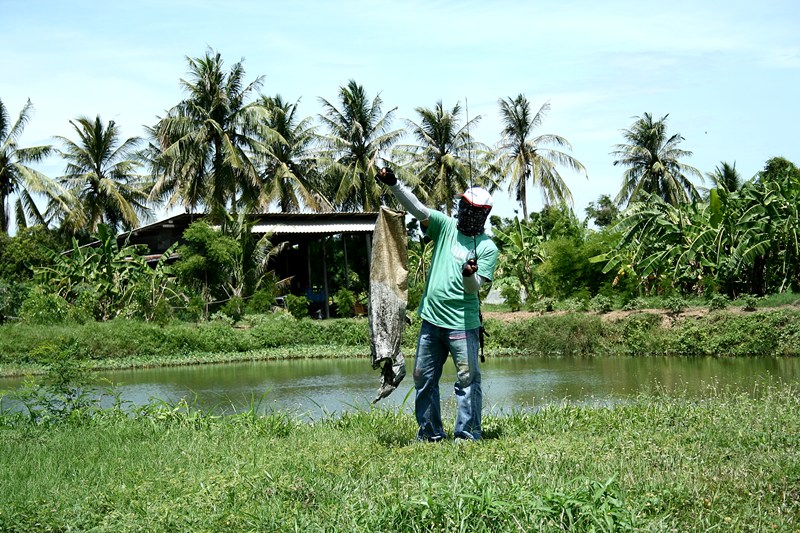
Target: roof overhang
315 227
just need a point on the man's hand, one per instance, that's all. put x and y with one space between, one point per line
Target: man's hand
386 176
469 268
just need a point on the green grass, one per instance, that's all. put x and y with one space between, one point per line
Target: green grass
726 462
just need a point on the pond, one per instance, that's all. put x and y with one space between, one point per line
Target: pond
316 387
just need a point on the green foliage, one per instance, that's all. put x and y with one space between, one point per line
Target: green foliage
718 302
44 308
345 301
675 305
542 305
748 302
604 212
571 334
194 310
206 260
741 239
62 394
560 274
12 295
297 305
635 303
106 280
511 292
573 305
262 301
234 308
415 295
601 304
520 252
30 248
125 342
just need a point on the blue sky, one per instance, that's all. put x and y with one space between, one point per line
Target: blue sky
726 72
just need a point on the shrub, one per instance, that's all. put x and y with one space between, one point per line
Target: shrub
573 305
234 308
261 301
12 295
44 308
675 305
511 292
717 302
601 304
749 302
572 334
634 304
542 305
414 295
639 335
297 305
345 301
195 309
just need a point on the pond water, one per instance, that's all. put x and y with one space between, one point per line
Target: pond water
316 387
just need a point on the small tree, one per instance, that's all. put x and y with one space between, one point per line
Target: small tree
206 261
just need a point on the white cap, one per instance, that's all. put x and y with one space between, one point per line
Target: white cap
477 196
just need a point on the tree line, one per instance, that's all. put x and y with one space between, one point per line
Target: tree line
228 150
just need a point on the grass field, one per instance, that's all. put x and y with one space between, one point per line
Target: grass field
724 463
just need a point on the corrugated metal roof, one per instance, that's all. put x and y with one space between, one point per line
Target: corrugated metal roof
311 226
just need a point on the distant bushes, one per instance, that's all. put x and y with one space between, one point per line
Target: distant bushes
642 334
761 333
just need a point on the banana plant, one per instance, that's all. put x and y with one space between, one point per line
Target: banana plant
521 252
106 268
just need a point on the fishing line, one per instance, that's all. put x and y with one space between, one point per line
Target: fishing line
482 331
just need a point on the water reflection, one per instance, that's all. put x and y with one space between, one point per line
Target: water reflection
315 387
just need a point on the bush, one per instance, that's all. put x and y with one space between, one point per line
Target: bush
748 302
12 295
44 308
511 292
675 305
573 305
195 309
297 305
572 334
634 304
262 301
542 305
639 334
601 304
234 308
345 301
717 302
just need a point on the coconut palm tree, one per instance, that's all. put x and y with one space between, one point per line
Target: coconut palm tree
16 177
524 158
101 182
441 158
357 136
203 149
652 159
287 160
726 177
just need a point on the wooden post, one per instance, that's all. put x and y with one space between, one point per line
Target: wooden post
325 278
346 266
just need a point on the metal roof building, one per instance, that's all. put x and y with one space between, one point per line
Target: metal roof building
311 238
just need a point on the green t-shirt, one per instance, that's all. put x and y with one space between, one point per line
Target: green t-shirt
444 303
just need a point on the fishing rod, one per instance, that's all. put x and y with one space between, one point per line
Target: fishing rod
482 331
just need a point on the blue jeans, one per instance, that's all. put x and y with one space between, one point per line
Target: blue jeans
433 345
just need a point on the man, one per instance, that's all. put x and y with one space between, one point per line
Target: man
464 259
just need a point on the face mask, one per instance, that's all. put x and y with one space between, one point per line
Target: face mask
471 219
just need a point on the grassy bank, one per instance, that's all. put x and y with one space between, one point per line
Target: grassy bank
130 343
727 462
